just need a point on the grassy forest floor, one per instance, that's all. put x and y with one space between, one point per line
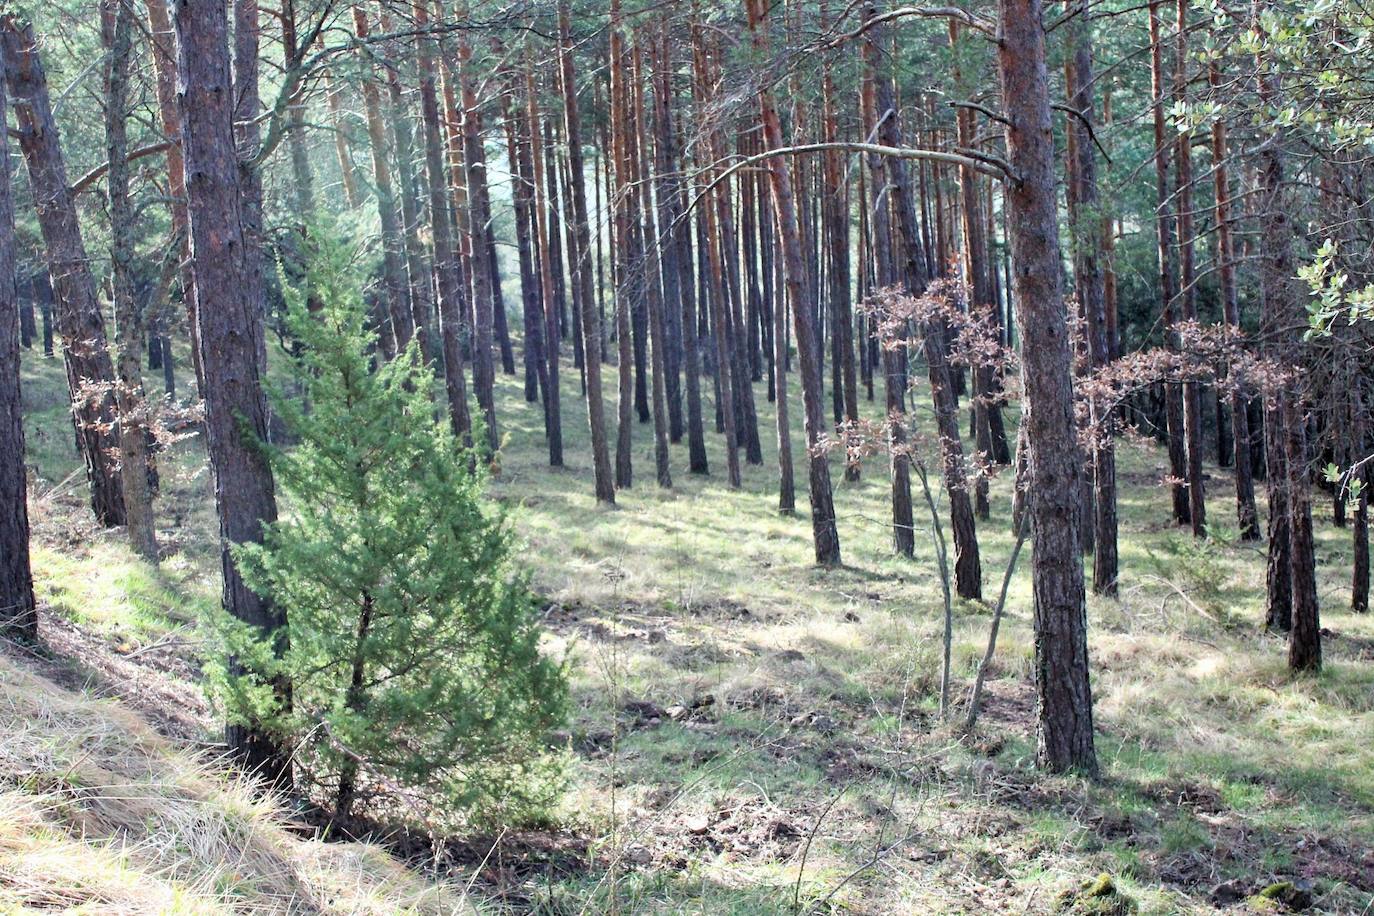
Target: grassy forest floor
750 734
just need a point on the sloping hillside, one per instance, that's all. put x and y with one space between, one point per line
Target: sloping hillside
101 814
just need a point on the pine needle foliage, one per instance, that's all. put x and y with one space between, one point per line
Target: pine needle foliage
413 640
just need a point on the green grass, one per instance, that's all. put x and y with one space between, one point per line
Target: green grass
1216 764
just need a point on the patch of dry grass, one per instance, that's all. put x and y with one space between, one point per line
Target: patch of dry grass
102 815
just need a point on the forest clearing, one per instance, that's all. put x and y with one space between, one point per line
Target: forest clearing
616 457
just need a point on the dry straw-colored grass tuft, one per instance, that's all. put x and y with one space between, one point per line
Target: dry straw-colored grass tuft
100 814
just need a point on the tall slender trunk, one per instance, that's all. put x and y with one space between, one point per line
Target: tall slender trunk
116 34
620 201
1291 575
164 65
18 611
651 243
582 271
522 197
247 112
559 163
1359 577
228 279
301 172
914 273
1192 395
418 272
1064 734
836 220
679 285
486 270
787 486
334 99
90 371
824 532
1088 260
1246 514
395 286
1168 278
725 405
448 281
544 239
482 306
989 429
903 522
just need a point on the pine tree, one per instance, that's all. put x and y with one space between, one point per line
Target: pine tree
413 642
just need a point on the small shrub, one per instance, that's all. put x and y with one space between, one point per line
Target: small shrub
413 641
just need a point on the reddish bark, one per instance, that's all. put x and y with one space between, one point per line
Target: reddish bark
228 277
116 34
1065 727
164 66
1192 396
1168 277
543 238
913 272
90 371
1246 514
622 218
582 270
824 532
1086 226
396 334
448 281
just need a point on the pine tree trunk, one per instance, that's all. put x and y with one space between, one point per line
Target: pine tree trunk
486 271
836 213
1168 282
90 371
531 305
620 201
574 289
987 410
1292 599
1304 639
914 273
677 285
582 272
448 281
228 278
116 34
543 238
727 413
824 532
787 486
880 228
164 65
1088 260
1247 516
334 99
1192 395
418 272
395 285
301 173
1359 579
18 611
248 136
1065 726
482 308
651 244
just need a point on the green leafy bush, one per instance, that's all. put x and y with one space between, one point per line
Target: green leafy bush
413 640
